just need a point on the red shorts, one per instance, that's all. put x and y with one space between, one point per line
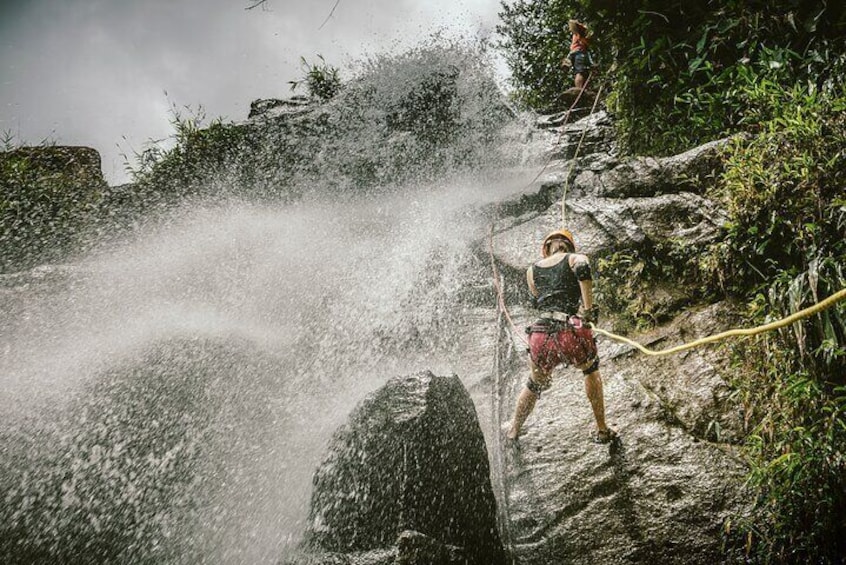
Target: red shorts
573 345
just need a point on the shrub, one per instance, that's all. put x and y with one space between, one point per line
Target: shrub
321 80
784 251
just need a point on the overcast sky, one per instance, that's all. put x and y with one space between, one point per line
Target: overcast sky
95 72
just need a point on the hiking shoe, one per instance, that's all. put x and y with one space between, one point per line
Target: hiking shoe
605 436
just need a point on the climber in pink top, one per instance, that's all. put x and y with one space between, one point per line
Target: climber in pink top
579 59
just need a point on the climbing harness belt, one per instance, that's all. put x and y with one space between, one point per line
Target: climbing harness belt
498 281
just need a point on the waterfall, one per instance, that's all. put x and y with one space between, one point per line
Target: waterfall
167 399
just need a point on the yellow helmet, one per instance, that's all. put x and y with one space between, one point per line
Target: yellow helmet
566 234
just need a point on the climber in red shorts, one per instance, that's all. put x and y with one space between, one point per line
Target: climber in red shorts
562 285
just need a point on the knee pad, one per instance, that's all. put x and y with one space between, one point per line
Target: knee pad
593 366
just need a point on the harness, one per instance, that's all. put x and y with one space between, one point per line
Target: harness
553 323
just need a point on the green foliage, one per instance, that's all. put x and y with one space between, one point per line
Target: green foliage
783 188
536 39
188 164
793 389
321 79
641 288
785 250
679 71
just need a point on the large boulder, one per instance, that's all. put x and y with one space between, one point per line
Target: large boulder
50 197
408 474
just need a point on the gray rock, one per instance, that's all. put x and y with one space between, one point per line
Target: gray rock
272 107
414 548
411 457
590 135
689 389
602 224
376 557
81 164
648 176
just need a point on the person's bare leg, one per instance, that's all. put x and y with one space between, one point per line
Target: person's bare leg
593 388
580 80
526 403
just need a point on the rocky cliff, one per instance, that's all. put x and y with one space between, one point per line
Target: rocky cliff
409 477
663 493
49 196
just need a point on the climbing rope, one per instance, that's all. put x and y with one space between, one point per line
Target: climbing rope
573 160
801 314
498 285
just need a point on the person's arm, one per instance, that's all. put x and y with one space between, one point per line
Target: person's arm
581 267
586 287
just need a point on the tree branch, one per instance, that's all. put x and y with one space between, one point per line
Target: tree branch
255 4
330 14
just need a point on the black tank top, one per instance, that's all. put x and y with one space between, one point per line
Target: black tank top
558 288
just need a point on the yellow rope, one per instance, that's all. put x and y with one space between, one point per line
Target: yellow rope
809 311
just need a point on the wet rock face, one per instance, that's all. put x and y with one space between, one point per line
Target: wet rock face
667 490
408 471
604 224
613 204
649 176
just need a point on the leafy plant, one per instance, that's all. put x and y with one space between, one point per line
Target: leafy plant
320 80
635 285
794 394
784 250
